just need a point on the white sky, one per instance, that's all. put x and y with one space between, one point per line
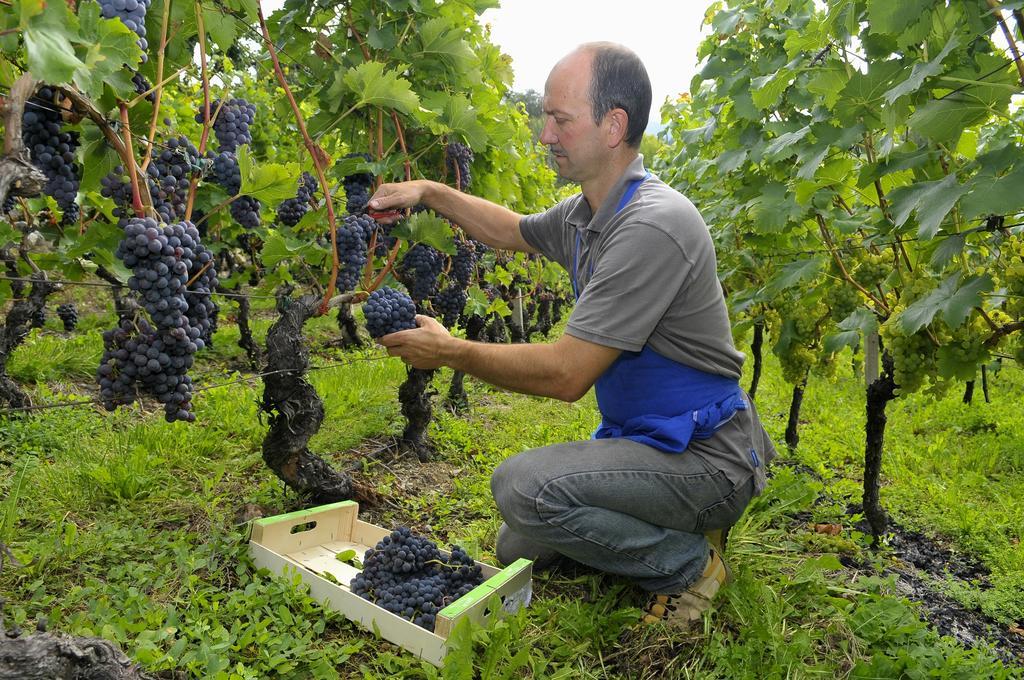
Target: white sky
665 33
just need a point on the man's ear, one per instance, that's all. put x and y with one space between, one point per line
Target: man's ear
618 126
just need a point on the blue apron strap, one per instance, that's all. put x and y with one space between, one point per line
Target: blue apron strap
626 198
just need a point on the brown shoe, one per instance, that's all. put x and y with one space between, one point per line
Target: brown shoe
682 610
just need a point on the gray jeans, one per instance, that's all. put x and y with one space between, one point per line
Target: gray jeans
620 506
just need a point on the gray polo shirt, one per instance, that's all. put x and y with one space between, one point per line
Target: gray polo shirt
647 275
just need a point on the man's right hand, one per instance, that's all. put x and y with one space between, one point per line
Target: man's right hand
394 197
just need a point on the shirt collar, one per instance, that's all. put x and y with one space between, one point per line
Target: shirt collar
581 215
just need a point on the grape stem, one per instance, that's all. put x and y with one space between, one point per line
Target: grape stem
132 170
207 120
158 92
198 274
316 153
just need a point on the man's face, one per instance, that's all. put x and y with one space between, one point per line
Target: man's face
569 129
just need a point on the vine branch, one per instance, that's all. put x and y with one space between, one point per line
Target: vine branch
998 12
842 268
158 93
132 170
84 105
316 153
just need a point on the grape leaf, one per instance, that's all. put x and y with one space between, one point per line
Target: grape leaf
426 227
279 247
374 86
48 42
439 40
950 299
221 26
947 250
109 45
920 72
860 323
773 208
270 182
793 273
1000 196
950 365
455 113
931 200
893 18
828 82
477 301
982 89
766 90
786 145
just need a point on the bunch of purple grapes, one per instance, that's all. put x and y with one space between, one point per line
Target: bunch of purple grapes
407 575
171 174
132 14
202 310
68 316
463 263
422 265
388 311
449 303
357 187
135 354
227 173
291 210
168 176
231 123
246 211
157 357
352 250
457 158
52 150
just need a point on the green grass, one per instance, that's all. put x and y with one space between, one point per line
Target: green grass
125 527
950 469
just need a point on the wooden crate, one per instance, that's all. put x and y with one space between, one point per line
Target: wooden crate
307 541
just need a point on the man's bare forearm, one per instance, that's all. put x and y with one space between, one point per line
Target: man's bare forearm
491 223
530 369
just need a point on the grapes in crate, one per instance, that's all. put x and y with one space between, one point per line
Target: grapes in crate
407 575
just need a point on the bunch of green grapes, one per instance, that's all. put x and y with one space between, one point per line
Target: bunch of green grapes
913 355
843 300
1018 350
1013 275
965 345
872 270
796 337
914 289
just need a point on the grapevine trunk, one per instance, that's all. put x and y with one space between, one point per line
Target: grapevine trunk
13 333
415 395
756 348
793 425
296 411
879 394
349 330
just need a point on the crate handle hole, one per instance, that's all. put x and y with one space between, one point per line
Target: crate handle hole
305 526
489 610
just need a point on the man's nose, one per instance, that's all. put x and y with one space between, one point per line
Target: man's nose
547 135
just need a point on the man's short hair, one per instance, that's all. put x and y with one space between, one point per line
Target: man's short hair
618 80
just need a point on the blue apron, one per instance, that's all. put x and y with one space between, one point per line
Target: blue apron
653 400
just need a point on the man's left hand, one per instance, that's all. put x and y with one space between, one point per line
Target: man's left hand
424 347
